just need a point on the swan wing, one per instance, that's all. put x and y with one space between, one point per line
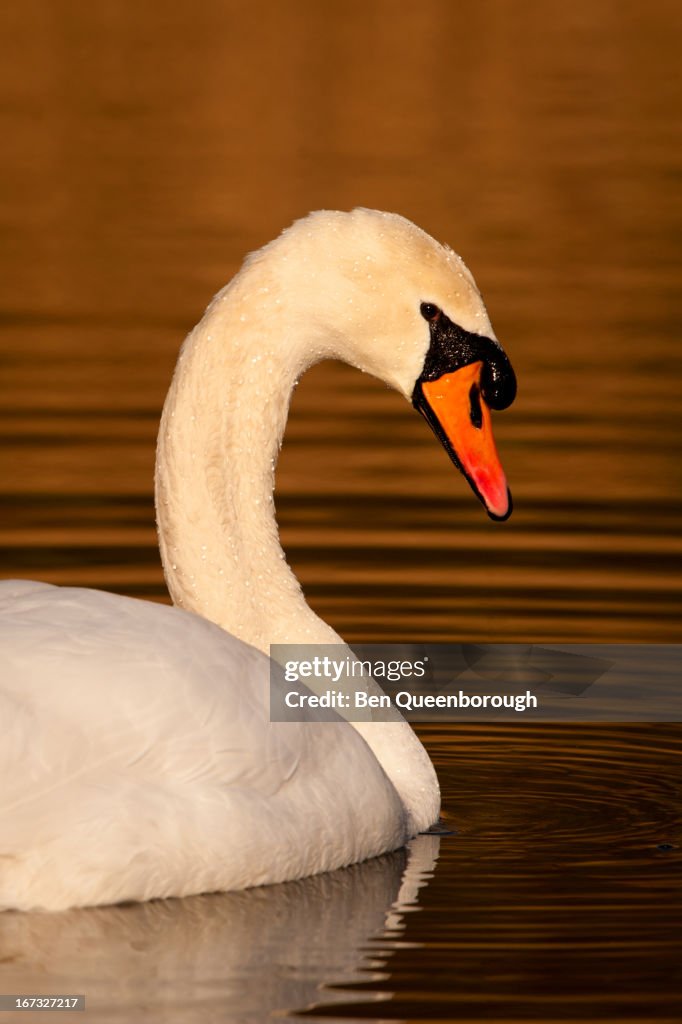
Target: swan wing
137 746
91 679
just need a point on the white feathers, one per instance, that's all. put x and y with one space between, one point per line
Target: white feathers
138 761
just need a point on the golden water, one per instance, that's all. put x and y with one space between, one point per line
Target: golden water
147 148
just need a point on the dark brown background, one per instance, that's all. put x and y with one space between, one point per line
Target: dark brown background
148 147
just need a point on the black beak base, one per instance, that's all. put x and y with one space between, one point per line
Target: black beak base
452 347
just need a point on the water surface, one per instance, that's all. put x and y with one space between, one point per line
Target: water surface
146 151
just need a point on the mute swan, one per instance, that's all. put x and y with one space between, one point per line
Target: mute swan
138 759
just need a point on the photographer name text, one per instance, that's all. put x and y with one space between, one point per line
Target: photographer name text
406 701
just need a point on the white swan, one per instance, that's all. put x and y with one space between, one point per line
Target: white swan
137 756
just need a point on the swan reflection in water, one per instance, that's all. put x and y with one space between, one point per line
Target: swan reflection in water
230 956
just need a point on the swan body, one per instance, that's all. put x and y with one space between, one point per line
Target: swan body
138 759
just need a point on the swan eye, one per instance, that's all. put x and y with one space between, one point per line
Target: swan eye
430 312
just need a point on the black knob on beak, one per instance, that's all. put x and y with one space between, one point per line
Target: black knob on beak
498 380
452 347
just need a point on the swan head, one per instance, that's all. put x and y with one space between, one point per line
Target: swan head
375 290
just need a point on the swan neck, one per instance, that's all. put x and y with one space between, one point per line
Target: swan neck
219 440
220 435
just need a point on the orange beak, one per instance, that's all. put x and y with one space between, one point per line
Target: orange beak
456 410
